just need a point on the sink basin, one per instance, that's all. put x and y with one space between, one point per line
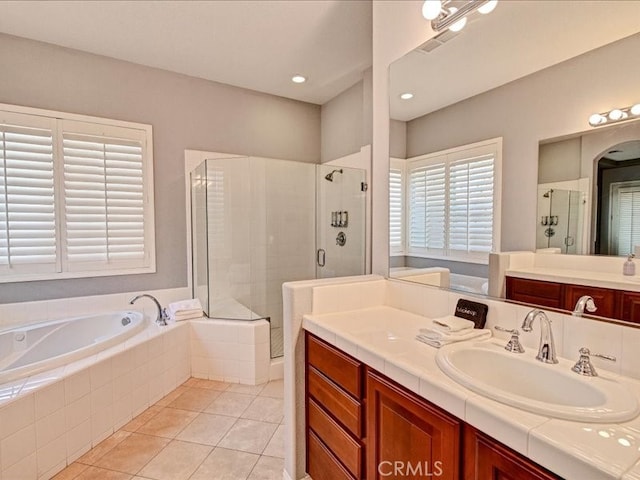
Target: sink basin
521 381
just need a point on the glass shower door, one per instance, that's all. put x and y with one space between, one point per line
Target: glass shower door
340 221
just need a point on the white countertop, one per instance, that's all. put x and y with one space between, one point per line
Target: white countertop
579 277
383 338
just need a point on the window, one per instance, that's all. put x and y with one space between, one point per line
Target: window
453 201
396 206
625 216
76 196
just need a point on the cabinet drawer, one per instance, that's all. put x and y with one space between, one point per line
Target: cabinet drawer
322 465
345 448
545 294
344 408
602 297
339 367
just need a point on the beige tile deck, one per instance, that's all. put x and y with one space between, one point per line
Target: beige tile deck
202 430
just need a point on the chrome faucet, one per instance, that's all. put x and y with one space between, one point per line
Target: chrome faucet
162 317
547 348
584 302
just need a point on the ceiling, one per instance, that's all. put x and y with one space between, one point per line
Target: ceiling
252 44
518 38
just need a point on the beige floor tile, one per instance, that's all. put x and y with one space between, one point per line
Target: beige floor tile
207 429
210 384
168 422
275 447
248 436
132 453
192 382
195 399
246 389
103 447
275 388
265 409
71 472
267 468
177 461
95 473
171 396
143 418
230 404
223 464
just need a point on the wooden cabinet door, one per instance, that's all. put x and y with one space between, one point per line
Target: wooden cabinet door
602 297
486 459
629 307
535 292
407 437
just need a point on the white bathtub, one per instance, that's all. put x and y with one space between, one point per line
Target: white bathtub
27 350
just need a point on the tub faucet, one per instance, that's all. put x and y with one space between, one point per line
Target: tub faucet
162 312
547 348
584 302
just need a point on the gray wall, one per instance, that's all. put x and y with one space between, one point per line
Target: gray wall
397 139
347 121
552 103
185 112
560 161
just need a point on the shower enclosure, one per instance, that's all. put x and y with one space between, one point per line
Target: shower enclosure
257 223
560 214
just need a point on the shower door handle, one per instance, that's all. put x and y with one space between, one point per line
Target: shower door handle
320 257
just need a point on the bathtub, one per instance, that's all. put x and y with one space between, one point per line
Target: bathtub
27 350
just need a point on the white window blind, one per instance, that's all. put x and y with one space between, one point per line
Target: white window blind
453 203
27 216
104 200
626 217
76 196
396 206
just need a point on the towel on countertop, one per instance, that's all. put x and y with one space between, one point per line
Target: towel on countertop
440 339
185 310
451 324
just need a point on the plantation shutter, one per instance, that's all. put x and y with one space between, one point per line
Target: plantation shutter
104 198
27 213
628 220
471 205
427 198
396 206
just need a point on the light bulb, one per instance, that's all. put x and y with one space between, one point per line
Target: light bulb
488 7
406 96
616 114
459 25
597 119
431 9
298 79
635 110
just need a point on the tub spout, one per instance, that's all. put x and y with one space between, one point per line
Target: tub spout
162 312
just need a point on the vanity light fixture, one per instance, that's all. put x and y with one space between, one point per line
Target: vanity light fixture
615 115
453 18
297 78
406 96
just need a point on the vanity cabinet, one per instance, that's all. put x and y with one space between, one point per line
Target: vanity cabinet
486 459
362 425
335 413
618 304
408 434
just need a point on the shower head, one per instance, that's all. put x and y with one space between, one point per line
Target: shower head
546 195
329 176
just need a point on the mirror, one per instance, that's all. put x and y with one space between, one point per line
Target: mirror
532 91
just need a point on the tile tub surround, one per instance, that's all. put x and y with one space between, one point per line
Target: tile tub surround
199 431
354 317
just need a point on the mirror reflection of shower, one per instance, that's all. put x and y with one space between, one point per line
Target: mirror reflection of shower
329 176
560 218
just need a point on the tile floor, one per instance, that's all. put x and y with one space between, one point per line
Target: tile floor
203 430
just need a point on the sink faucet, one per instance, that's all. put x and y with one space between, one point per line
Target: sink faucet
162 317
547 349
584 302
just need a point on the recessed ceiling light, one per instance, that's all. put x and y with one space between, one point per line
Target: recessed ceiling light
406 96
298 79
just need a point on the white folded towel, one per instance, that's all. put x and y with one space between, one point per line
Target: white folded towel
185 310
451 323
440 339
